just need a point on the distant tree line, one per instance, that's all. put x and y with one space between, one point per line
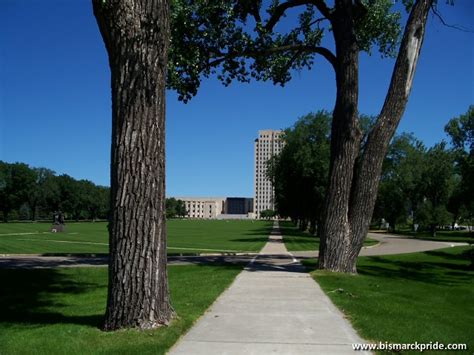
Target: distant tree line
28 193
175 208
422 187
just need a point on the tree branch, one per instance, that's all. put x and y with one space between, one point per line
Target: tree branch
256 13
405 65
280 10
456 27
323 8
365 185
326 53
292 60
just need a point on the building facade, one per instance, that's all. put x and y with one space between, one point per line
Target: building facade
204 207
239 205
218 207
268 144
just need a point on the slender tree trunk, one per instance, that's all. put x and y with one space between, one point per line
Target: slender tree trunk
312 226
319 228
136 34
5 215
354 180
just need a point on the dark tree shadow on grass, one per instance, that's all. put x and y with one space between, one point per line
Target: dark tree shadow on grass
259 231
36 297
447 269
464 256
250 240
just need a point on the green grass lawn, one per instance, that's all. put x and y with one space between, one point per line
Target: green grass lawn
419 297
296 240
441 236
59 311
184 236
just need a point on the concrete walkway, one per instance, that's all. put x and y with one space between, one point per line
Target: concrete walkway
390 244
396 244
273 307
45 262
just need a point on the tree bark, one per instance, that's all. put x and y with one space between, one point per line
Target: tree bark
345 144
354 180
136 35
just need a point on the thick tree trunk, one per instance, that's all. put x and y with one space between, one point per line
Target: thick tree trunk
345 144
136 34
354 180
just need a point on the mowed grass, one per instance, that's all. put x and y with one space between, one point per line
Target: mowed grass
297 240
184 236
36 238
217 235
59 311
419 297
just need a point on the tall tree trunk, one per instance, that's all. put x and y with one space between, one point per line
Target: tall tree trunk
345 144
136 35
354 182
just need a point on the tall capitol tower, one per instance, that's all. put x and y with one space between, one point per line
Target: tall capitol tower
268 144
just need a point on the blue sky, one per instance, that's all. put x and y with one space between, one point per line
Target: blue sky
55 99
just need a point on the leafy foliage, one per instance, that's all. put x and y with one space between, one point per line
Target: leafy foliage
399 191
175 208
379 28
16 183
267 214
31 193
437 183
300 172
419 183
461 132
243 39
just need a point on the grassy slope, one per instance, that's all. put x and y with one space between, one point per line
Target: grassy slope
184 236
58 311
406 298
296 240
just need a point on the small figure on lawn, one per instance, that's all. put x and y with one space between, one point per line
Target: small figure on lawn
58 222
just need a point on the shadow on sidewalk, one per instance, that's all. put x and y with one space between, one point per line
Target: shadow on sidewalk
282 263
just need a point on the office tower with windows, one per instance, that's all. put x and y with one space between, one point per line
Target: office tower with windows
268 144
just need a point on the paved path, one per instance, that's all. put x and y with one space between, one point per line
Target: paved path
395 244
41 262
273 307
390 244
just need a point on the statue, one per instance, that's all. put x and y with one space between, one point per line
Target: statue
58 222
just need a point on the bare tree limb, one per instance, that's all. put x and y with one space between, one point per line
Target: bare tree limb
323 8
280 10
456 27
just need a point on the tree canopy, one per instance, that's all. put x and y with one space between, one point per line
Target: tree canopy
400 192
300 173
246 39
241 40
35 193
461 131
